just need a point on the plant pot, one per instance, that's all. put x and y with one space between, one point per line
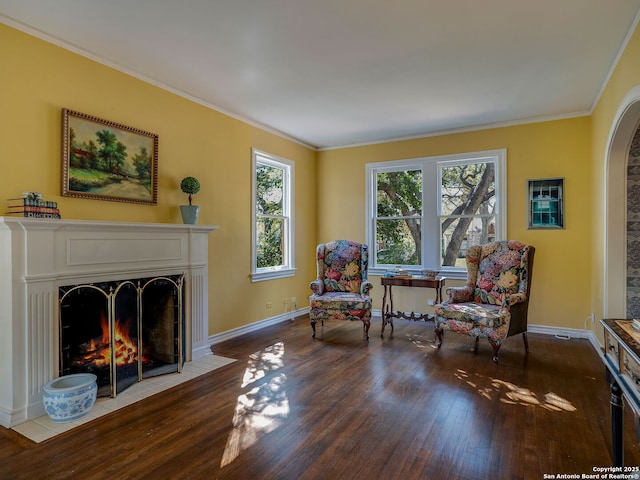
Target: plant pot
70 397
190 213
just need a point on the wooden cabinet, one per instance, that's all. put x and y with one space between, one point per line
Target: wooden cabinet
622 360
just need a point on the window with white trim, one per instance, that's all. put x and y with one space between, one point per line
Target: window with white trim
423 213
272 206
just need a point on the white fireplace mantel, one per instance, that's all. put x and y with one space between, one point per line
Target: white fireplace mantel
37 256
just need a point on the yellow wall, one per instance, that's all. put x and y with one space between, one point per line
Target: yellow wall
625 77
540 150
39 79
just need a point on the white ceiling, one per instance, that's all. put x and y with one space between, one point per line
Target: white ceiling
339 72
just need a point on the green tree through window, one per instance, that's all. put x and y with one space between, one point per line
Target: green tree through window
467 205
426 212
399 213
272 210
270 215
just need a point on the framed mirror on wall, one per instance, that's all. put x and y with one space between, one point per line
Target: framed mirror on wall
545 203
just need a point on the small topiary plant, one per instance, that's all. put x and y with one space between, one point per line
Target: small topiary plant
190 186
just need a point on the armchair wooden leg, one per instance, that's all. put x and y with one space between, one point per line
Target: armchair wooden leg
496 346
365 328
526 342
313 326
438 334
475 347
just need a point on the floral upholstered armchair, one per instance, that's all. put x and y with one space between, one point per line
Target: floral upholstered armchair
341 290
494 302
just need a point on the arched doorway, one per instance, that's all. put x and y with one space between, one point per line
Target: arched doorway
623 130
633 228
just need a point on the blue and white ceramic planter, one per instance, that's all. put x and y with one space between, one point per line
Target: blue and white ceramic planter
70 397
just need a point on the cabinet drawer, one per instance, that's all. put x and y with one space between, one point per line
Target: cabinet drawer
612 349
630 370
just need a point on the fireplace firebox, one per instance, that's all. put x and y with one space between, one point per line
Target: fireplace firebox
122 331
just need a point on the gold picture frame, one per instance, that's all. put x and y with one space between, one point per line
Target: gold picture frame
104 160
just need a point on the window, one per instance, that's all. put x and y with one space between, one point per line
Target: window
272 242
423 213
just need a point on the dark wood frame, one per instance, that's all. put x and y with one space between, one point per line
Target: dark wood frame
531 199
131 138
388 313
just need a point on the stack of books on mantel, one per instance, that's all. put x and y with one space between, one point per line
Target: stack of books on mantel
31 204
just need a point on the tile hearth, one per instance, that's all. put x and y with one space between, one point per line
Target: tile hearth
43 428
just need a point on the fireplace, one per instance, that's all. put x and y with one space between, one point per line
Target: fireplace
157 271
123 332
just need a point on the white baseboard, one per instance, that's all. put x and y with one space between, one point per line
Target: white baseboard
568 333
9 418
560 332
200 352
252 327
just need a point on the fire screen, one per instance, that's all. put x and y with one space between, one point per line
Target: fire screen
122 331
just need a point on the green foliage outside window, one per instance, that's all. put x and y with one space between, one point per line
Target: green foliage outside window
399 210
270 216
467 204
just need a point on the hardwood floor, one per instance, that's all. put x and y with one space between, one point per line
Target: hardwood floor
338 407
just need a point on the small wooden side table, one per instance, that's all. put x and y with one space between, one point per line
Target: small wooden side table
388 314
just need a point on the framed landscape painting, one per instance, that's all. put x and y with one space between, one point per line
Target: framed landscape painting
103 160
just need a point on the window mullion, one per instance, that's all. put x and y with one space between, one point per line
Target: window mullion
431 224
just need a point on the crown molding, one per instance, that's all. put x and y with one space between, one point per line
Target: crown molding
132 73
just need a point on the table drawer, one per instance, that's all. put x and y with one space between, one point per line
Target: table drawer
630 370
612 349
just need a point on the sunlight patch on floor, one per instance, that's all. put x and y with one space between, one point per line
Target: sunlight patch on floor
418 341
510 393
263 408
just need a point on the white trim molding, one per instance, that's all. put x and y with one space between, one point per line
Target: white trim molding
255 326
623 128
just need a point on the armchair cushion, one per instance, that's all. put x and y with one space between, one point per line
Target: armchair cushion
482 314
343 305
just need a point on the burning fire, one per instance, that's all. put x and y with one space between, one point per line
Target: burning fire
98 350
